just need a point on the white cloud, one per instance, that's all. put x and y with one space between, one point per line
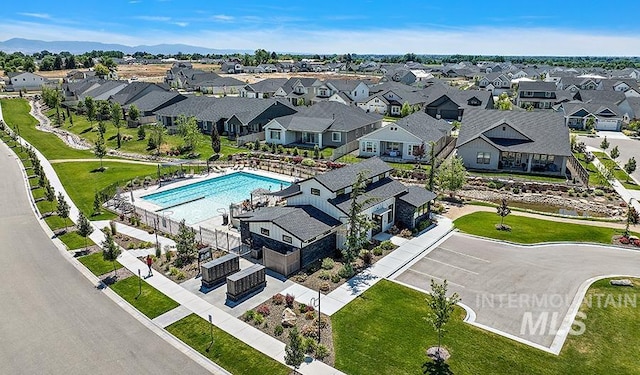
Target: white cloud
223 18
36 15
153 18
181 24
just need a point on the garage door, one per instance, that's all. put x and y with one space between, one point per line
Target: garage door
607 125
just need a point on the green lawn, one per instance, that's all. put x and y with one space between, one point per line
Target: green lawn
16 114
391 316
351 159
151 302
81 180
619 173
75 241
529 230
45 206
97 265
227 351
55 222
595 177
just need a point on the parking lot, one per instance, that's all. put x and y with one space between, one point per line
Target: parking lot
522 291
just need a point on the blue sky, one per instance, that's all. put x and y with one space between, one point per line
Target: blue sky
562 27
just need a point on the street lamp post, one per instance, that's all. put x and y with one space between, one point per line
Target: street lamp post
316 303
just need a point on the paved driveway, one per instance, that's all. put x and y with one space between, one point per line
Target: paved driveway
628 147
522 291
53 320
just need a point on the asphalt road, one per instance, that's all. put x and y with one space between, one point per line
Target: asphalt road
52 319
628 147
511 287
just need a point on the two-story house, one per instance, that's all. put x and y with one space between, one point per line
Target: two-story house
298 91
25 80
537 94
313 223
497 83
346 91
263 89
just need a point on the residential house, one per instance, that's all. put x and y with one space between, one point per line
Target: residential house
387 98
353 91
606 117
263 89
151 102
136 90
298 90
497 83
232 116
322 124
104 90
408 139
231 67
312 225
450 103
17 81
514 140
537 94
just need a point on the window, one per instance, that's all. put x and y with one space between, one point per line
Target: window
315 191
274 134
547 94
264 231
483 158
415 149
336 137
369 146
286 238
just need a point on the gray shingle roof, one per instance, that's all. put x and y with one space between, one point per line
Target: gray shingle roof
373 194
99 92
424 126
304 222
545 129
327 115
346 176
154 99
460 97
417 196
536 86
266 85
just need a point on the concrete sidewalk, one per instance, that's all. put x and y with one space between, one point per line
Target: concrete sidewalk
384 268
626 194
138 233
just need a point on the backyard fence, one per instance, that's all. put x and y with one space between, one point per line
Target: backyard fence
577 170
344 149
250 138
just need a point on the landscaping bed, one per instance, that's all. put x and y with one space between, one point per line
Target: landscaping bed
168 266
268 317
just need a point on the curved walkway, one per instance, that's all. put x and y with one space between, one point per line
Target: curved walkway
57 161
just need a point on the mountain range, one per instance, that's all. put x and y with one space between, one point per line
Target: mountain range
29 46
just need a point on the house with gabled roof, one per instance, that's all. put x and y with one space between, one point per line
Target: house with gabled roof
297 90
152 102
387 98
24 80
537 94
605 116
497 83
408 139
445 102
263 89
352 91
322 124
514 140
312 225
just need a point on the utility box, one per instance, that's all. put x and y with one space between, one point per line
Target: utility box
217 270
245 282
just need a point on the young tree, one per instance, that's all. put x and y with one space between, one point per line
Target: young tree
405 110
590 124
63 209
293 352
142 134
186 248
215 140
357 224
90 107
49 192
188 129
630 167
503 103
440 307
84 228
503 210
100 149
432 163
614 153
604 145
97 205
134 113
452 175
116 112
158 131
110 251
632 218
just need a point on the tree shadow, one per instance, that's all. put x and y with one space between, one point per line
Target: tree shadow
97 170
436 367
87 130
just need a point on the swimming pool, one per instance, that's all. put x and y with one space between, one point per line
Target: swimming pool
201 200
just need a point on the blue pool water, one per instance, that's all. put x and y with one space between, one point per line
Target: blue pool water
218 192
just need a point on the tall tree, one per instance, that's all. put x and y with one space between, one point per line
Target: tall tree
100 149
186 247
503 210
188 129
614 153
293 352
604 145
116 112
84 228
70 63
358 224
215 140
504 102
630 167
63 209
101 70
134 112
157 134
57 63
110 251
452 175
440 308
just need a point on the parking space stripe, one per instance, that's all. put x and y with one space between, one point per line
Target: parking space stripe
452 266
435 277
463 254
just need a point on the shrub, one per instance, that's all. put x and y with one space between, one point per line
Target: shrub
296 152
300 277
248 315
324 275
377 251
278 330
328 263
321 351
173 271
258 319
277 299
598 192
180 275
491 185
264 310
303 308
309 345
297 159
308 163
335 278
516 190
625 240
309 315
366 256
323 322
325 286
288 299
280 149
308 330
585 194
112 226
405 233
387 245
343 272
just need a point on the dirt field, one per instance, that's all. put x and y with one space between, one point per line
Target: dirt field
156 73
